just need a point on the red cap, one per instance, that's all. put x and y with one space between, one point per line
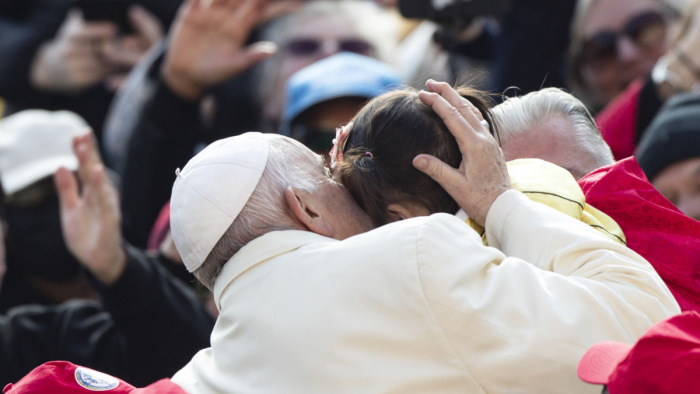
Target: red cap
666 359
62 377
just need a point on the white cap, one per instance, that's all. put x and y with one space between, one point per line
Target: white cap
211 191
34 144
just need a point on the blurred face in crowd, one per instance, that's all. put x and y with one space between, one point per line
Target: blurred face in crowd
680 183
311 40
621 40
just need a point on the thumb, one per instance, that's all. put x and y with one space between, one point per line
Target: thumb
440 171
253 55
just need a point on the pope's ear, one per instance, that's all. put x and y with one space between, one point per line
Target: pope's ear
305 207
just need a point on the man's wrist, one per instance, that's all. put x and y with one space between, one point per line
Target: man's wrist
182 86
112 270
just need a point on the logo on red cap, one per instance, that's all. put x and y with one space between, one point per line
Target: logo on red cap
95 381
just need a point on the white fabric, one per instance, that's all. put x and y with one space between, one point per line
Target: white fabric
422 306
211 190
35 143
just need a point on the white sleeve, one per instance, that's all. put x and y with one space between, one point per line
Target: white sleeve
518 321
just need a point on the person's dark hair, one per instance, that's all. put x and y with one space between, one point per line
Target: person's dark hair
386 135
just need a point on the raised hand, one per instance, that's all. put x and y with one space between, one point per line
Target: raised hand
207 44
72 62
91 217
482 176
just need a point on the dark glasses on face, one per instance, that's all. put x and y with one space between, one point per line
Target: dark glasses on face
311 46
647 30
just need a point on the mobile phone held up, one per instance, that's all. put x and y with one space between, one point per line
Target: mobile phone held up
115 11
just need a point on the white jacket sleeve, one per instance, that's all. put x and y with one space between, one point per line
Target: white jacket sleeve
520 321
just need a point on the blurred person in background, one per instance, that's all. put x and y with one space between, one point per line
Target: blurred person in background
629 57
197 95
40 269
669 153
327 94
74 55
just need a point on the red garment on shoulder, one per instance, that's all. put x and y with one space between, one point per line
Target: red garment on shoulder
653 226
617 122
63 377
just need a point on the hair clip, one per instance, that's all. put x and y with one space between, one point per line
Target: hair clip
341 136
368 153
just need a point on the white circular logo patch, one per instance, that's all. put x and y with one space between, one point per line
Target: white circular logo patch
95 381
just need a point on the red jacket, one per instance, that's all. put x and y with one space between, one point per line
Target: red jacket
653 226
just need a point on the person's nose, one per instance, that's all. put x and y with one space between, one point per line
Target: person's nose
329 48
627 50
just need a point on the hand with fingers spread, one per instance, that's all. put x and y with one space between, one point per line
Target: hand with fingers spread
482 176
91 218
207 44
72 61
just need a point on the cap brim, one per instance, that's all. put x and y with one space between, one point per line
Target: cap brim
599 362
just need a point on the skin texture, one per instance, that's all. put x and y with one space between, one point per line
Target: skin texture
330 210
680 183
551 141
85 53
207 44
482 176
632 61
90 217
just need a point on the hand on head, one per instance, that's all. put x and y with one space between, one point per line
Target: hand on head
482 176
90 217
208 44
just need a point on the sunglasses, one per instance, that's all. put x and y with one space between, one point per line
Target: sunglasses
647 30
311 46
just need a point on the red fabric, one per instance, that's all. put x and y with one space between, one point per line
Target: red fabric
160 228
666 359
618 121
654 227
63 377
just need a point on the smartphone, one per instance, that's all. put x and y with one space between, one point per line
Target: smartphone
115 11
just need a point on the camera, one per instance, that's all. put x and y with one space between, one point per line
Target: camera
454 13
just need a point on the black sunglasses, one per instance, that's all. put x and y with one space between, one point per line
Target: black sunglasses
647 30
310 46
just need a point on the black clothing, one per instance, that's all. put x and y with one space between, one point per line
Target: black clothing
147 327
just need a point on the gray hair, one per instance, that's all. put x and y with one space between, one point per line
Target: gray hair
266 209
516 115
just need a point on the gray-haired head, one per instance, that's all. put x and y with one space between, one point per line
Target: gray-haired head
552 125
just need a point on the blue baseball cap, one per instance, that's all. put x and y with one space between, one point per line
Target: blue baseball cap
342 75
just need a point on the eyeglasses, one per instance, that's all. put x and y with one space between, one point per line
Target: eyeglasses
647 30
311 46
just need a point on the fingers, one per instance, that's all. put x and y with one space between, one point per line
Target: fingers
88 156
455 122
145 24
439 171
470 113
251 56
67 189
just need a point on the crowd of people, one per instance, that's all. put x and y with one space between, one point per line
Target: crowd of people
224 196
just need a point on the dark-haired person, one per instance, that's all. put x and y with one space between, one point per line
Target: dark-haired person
373 155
